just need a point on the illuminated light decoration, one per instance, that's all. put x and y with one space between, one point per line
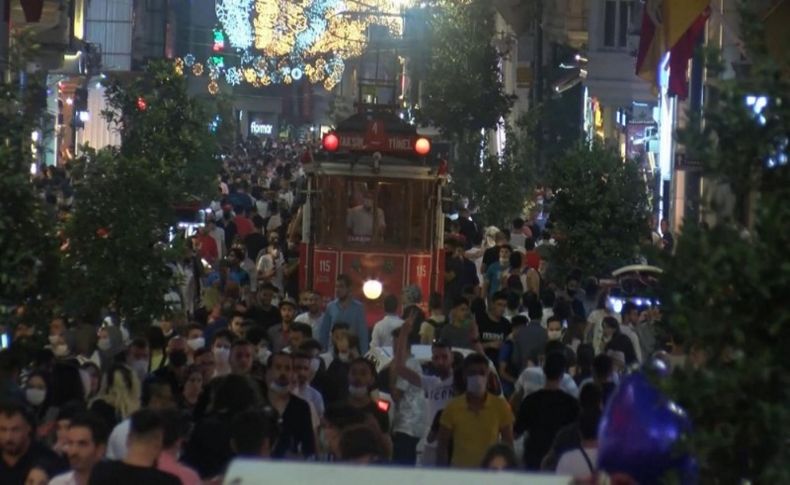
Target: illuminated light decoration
422 146
213 87
216 61
330 142
219 41
141 104
189 59
213 125
234 15
311 37
233 76
179 66
197 69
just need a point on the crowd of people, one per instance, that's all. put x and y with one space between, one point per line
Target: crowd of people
500 370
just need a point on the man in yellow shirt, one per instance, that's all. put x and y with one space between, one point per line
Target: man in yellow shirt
474 420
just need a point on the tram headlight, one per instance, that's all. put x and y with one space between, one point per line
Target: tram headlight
372 289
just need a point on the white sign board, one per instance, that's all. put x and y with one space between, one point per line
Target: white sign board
261 472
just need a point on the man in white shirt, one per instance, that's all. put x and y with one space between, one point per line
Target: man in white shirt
382 330
438 387
303 374
313 315
86 443
408 423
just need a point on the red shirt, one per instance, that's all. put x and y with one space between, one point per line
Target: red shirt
243 226
208 247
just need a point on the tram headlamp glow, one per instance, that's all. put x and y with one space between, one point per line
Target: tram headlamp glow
372 289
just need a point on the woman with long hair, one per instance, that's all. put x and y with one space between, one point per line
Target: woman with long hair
119 397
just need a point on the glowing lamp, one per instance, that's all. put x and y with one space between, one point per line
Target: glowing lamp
372 289
422 146
331 143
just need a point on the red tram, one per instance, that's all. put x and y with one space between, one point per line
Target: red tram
374 210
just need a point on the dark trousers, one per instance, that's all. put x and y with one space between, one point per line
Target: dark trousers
404 449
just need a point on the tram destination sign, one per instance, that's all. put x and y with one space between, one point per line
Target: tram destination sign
359 142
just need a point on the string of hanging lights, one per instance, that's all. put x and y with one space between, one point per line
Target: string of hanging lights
283 41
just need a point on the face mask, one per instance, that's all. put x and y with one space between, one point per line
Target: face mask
571 292
103 344
315 364
504 262
140 367
196 343
178 358
476 385
263 355
554 334
360 391
278 388
61 350
344 356
222 354
35 396
54 339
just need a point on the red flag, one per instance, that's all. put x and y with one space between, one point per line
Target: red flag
680 55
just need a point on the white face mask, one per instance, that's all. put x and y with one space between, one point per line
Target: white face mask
344 356
476 385
196 343
554 334
35 396
278 388
360 391
222 354
60 350
504 262
54 339
103 344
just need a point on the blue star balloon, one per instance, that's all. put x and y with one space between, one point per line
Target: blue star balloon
638 433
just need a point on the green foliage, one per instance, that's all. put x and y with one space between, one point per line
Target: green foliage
126 198
599 211
122 212
503 184
25 232
725 291
462 89
171 133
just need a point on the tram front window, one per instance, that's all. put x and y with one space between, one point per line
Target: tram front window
389 213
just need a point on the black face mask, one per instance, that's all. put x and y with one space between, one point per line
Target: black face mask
178 358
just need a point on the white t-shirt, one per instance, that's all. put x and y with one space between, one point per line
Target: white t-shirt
382 331
315 323
533 379
409 410
438 393
116 445
573 463
64 479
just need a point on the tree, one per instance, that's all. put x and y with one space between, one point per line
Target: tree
126 198
504 183
26 247
462 90
599 212
725 289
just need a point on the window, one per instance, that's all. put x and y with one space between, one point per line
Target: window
617 22
362 212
